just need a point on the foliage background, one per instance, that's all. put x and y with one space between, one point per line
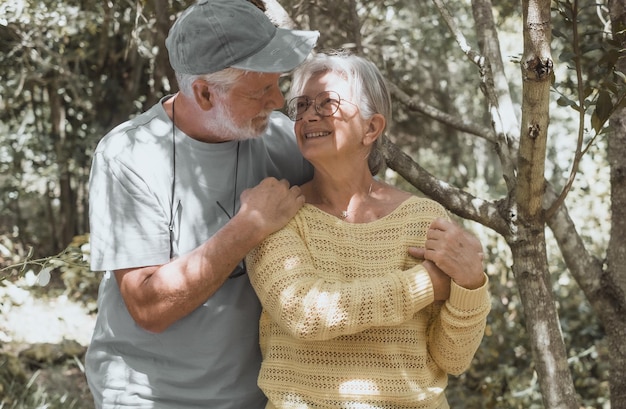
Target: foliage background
73 69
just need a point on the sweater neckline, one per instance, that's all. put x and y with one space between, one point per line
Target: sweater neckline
333 217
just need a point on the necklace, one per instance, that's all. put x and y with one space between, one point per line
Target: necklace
241 267
171 223
346 212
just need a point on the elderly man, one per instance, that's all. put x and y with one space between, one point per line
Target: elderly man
178 196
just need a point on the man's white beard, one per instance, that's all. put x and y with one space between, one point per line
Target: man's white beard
225 128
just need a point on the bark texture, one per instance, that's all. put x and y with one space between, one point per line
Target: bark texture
614 279
530 264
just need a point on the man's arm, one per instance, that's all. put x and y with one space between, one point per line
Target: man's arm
158 296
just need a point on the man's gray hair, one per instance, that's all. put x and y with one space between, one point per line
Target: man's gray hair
223 80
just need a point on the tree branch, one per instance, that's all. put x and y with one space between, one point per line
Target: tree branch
279 16
456 200
493 82
580 152
496 88
455 122
586 269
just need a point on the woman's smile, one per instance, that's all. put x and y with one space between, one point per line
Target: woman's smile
310 135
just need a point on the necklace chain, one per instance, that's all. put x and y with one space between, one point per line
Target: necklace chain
344 213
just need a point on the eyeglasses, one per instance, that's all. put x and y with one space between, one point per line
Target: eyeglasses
326 103
241 268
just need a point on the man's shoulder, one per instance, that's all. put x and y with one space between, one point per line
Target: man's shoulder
280 127
277 154
145 128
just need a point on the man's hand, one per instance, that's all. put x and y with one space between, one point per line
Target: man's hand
455 252
271 204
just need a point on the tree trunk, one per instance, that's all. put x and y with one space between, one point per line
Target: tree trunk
615 277
162 68
63 148
614 319
496 88
530 263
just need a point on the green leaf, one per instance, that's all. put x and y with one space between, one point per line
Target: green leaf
604 108
564 102
43 278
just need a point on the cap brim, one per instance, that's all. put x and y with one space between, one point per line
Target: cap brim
287 50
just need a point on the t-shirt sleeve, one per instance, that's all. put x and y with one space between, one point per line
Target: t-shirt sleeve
128 226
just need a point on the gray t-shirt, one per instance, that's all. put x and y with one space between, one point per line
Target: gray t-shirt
211 358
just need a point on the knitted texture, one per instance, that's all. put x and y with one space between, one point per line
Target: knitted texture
348 316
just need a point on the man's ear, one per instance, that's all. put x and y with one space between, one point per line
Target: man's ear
202 94
375 127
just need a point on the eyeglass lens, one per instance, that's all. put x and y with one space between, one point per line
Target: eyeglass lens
239 270
325 103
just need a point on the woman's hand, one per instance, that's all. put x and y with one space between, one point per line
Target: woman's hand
455 252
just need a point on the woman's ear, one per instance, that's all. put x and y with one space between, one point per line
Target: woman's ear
202 94
376 125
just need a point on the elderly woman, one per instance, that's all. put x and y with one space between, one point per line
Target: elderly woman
350 318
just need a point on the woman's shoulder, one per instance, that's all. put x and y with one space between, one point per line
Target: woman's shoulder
401 200
387 201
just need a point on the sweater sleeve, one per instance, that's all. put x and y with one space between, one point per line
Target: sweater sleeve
458 328
311 305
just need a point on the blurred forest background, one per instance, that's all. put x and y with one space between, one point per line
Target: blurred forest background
73 69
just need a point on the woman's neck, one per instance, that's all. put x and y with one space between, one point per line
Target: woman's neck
340 195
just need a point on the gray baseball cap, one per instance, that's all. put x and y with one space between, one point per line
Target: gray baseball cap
215 34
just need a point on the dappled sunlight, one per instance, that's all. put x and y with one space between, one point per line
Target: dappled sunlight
311 307
359 386
369 388
291 262
543 334
326 303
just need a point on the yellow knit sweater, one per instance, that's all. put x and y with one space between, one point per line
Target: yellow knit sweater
348 316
